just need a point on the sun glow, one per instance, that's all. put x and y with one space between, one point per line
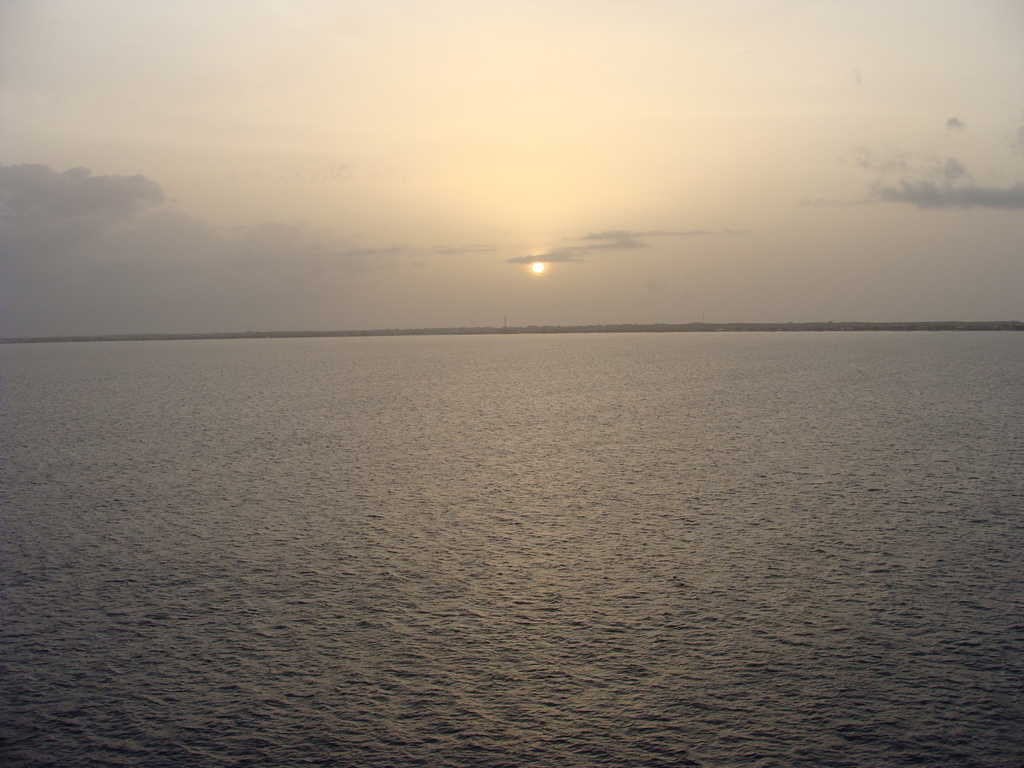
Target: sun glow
538 267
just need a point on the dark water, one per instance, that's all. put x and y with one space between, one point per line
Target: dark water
636 550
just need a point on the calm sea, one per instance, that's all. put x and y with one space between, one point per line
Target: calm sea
581 550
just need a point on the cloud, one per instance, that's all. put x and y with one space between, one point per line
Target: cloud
930 181
84 253
462 249
953 170
38 190
891 162
551 257
84 219
886 159
955 124
43 214
624 238
928 194
615 240
829 202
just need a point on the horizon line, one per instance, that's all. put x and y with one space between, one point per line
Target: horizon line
701 327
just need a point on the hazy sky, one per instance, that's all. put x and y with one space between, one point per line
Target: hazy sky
224 166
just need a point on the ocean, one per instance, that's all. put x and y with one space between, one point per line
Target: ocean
721 549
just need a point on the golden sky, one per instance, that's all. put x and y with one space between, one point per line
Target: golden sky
334 165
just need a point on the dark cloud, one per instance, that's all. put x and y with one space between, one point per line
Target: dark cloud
928 194
955 124
929 181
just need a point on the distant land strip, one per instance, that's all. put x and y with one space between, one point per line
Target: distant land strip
951 325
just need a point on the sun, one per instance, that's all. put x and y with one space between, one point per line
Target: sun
538 267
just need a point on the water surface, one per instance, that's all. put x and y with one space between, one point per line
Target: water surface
727 549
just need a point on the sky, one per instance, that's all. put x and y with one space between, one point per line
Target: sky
218 166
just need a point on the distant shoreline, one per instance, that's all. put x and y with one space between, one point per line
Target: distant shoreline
952 325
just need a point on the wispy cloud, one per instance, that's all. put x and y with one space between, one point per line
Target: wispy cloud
830 202
551 257
928 194
461 249
884 159
615 240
